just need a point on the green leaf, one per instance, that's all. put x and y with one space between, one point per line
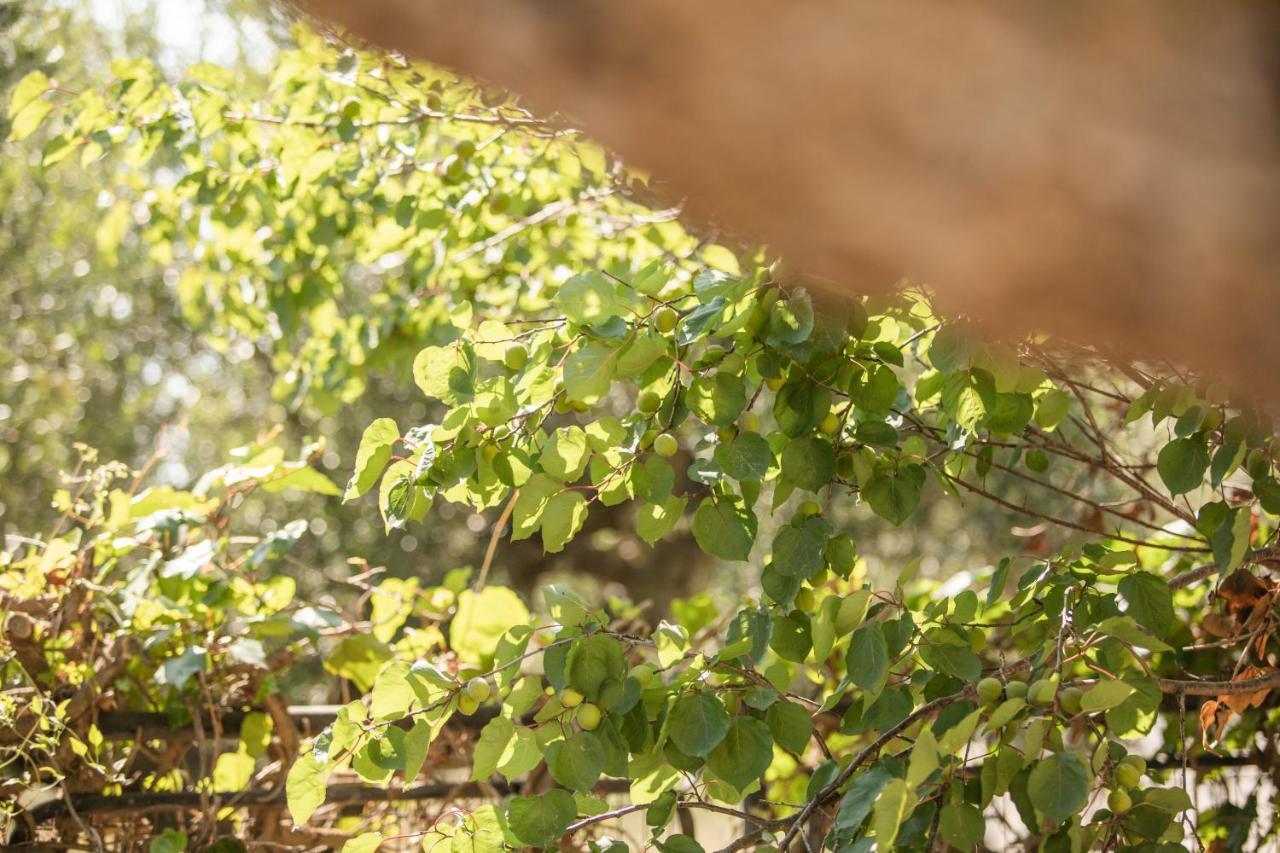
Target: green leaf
1149 602
958 661
725 528
577 761
305 786
656 520
372 456
858 801
894 495
1059 786
746 458
595 663
506 748
809 463
744 754
392 693
446 373
365 842
540 820
30 87
1124 628
1182 465
1105 695
28 121
562 519
895 802
1230 541
718 400
790 725
867 661
800 406
588 299
359 658
698 723
799 550
589 372
481 620
564 456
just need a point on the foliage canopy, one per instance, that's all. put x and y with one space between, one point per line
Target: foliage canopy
581 351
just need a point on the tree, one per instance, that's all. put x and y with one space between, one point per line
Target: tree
610 360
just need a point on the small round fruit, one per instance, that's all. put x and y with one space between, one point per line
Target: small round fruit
774 383
728 433
805 600
1136 761
989 689
571 698
1127 775
1069 700
516 356
562 406
646 440
643 674
820 577
666 319
830 424
1042 692
649 402
588 717
578 406
1119 801
477 689
846 468
666 445
808 508
749 422
1015 689
467 705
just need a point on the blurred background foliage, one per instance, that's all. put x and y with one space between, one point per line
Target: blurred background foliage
164 307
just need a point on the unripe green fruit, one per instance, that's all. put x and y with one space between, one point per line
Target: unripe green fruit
712 354
643 674
578 406
830 424
1042 692
808 508
728 433
477 689
805 600
1069 700
775 383
466 148
666 445
1119 801
562 406
588 717
516 356
1015 689
989 689
649 402
467 705
846 469
750 422
665 319
1127 775
571 698
1135 761
821 577
499 202
646 440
